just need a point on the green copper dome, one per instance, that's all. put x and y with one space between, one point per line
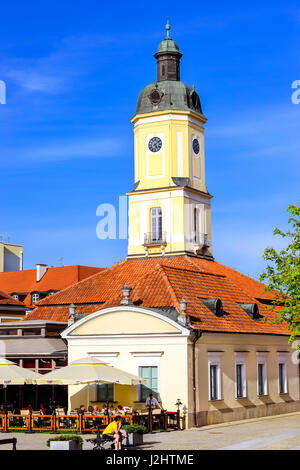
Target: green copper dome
168 45
168 95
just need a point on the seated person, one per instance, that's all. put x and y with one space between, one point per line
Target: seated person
113 431
152 403
95 410
105 410
81 410
119 410
90 409
42 409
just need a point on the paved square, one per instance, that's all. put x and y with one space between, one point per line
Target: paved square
272 433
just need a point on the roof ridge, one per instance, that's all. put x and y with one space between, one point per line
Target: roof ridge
197 271
191 261
170 287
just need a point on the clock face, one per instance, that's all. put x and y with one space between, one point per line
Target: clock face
196 146
155 144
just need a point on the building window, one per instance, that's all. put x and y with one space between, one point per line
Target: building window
105 392
156 224
150 373
262 386
214 369
240 377
213 382
240 380
35 298
282 375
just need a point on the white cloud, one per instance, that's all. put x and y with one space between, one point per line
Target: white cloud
102 147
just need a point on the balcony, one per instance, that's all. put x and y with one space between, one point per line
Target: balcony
154 239
201 240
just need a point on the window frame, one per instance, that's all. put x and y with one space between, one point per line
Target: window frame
107 385
34 294
140 387
282 361
214 360
147 359
262 361
158 219
241 361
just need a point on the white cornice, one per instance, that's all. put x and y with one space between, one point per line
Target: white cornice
68 333
168 117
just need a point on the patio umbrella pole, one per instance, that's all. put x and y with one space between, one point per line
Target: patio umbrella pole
88 396
5 398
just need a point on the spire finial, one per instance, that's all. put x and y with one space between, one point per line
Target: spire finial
168 27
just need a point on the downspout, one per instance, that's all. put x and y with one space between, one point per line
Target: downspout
195 339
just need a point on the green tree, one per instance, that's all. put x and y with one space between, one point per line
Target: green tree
282 275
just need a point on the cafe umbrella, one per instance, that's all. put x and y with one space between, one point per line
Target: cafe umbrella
11 374
89 370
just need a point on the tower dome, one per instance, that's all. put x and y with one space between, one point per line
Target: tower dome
168 92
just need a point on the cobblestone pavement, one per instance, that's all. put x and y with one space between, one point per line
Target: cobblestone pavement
272 433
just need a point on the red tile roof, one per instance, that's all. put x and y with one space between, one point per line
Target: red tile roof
163 282
6 299
55 278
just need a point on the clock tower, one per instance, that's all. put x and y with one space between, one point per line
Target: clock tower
169 206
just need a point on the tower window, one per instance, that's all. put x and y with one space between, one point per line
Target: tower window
156 224
163 70
196 225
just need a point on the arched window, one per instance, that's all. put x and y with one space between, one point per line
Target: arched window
156 224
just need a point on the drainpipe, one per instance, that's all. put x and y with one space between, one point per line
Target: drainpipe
184 319
195 339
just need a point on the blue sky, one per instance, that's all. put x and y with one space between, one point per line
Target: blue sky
73 72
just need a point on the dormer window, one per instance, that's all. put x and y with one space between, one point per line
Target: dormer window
251 309
214 305
35 298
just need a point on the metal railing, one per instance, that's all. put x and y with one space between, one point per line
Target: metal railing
85 423
155 238
201 239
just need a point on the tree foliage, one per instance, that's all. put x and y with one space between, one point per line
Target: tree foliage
282 275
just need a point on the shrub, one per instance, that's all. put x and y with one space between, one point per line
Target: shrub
65 437
129 428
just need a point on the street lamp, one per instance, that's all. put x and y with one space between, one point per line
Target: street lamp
178 404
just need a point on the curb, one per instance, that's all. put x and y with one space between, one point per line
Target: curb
243 421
